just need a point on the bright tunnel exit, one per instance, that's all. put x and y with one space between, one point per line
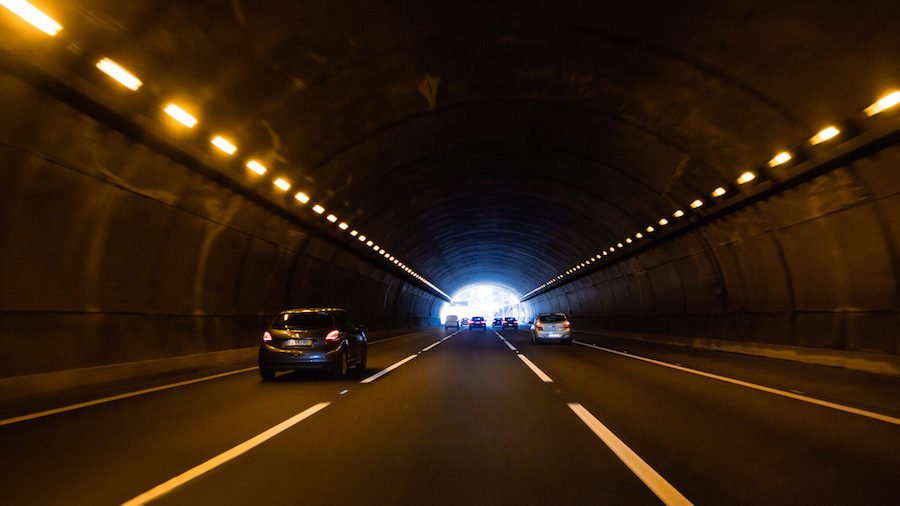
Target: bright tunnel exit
488 300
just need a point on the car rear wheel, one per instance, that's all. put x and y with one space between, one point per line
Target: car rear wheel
266 374
361 364
340 367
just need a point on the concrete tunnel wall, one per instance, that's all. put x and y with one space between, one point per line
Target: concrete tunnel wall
113 253
816 266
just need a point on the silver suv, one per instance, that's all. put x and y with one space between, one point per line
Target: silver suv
551 327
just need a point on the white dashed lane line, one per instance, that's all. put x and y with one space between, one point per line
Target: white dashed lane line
535 369
656 483
382 372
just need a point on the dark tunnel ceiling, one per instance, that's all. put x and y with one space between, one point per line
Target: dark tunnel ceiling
497 142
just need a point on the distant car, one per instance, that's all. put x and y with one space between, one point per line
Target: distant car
451 321
498 322
313 338
551 327
509 321
477 322
464 322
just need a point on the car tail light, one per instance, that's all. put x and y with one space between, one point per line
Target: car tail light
538 326
568 325
332 336
267 337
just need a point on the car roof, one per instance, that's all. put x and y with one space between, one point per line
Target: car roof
314 310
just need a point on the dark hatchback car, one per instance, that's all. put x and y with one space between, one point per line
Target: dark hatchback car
312 339
477 322
509 321
497 322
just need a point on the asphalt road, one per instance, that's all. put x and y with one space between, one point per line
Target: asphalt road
472 420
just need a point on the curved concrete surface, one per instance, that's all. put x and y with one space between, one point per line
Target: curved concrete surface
496 143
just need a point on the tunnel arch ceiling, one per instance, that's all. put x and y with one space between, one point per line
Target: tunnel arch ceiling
500 141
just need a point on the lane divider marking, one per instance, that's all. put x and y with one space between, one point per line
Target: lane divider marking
438 342
535 369
112 398
656 483
389 369
812 400
220 459
401 336
430 346
405 360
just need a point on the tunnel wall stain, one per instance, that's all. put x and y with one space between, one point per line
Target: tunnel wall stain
113 253
815 266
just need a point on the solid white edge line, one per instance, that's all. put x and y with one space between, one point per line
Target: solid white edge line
220 459
112 398
656 483
833 405
535 369
389 369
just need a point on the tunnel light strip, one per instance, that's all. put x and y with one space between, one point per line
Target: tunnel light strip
34 16
282 184
825 134
180 115
37 18
886 102
779 159
45 23
117 72
223 144
256 167
746 177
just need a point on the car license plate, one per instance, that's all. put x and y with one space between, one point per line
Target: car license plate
554 335
298 342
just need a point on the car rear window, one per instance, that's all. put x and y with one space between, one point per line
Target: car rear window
303 321
478 319
552 318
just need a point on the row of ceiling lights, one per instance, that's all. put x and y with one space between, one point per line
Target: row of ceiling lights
884 103
48 25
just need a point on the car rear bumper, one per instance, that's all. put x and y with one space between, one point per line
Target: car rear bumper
549 335
277 358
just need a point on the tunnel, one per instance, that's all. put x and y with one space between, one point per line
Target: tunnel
709 176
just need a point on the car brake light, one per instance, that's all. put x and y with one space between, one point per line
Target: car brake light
538 326
332 336
267 337
568 325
